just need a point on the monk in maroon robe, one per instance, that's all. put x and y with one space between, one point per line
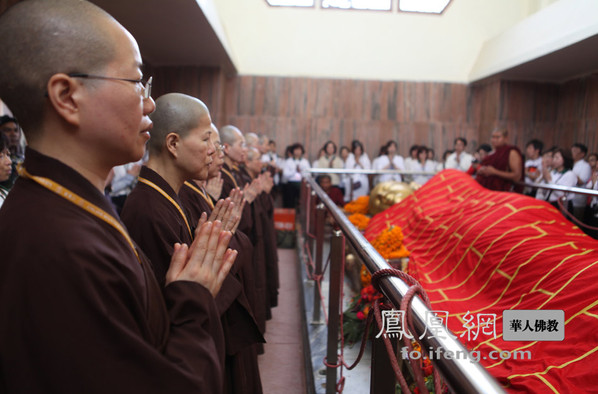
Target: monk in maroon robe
80 309
504 167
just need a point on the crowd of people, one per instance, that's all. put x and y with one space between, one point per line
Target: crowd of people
498 166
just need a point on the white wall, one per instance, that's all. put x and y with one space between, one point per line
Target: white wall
280 41
554 27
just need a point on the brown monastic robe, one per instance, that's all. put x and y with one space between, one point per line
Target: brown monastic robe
264 212
154 222
240 328
252 228
80 313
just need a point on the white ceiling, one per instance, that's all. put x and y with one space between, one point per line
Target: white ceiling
178 33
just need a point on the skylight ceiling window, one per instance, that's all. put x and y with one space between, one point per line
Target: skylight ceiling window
292 3
429 6
383 5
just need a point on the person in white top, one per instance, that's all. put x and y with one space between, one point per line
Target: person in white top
459 159
321 154
432 159
583 171
409 161
542 194
423 164
123 182
533 164
357 185
274 162
291 171
388 160
5 166
329 159
442 164
561 174
344 153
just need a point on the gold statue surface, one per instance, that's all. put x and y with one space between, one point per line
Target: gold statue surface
387 194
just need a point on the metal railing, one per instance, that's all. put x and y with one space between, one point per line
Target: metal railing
367 172
463 375
548 186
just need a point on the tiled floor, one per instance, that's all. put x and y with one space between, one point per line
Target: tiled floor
282 364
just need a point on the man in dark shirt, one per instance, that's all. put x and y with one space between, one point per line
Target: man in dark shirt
80 309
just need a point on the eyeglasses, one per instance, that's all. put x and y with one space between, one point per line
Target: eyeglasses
147 85
220 148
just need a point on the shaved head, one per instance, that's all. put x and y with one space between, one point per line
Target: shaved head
229 134
253 154
175 113
503 132
251 139
40 38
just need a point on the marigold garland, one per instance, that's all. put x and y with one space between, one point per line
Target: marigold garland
359 205
359 220
390 243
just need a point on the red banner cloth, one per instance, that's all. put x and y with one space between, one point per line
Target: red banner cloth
478 252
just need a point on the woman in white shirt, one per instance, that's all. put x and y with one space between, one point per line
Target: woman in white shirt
291 171
422 164
459 159
357 185
388 160
329 159
561 174
542 194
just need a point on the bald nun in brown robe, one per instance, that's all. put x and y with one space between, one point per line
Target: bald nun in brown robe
235 151
80 309
181 149
242 373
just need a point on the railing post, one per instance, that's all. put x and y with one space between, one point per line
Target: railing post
337 257
382 376
302 204
311 228
320 218
307 196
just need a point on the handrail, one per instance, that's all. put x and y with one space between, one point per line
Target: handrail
462 375
548 186
368 172
552 186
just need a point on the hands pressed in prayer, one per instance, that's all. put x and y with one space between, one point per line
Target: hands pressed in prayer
207 261
252 190
267 182
214 186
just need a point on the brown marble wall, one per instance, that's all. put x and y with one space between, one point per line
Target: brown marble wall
558 114
312 111
205 83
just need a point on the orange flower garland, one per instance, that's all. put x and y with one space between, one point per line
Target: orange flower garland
390 244
359 220
359 205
